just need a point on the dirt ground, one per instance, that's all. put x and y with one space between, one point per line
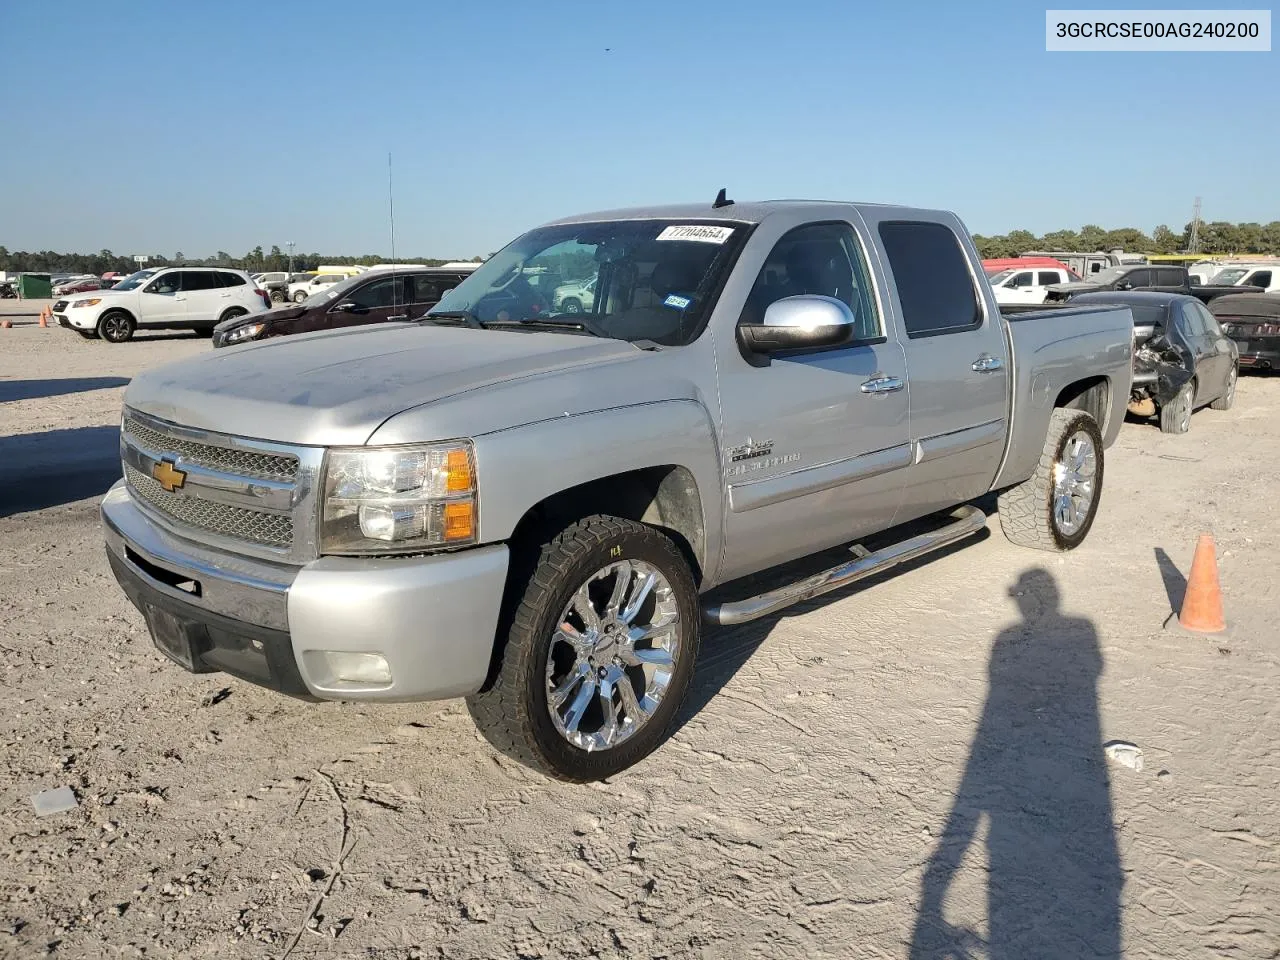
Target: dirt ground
911 768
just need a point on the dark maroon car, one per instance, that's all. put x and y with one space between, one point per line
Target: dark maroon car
377 296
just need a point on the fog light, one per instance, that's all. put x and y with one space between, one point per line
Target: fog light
347 667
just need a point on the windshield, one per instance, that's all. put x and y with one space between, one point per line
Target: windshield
1229 276
135 280
630 280
1109 275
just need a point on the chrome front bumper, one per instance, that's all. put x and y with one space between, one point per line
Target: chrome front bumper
432 619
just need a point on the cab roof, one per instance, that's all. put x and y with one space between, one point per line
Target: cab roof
750 211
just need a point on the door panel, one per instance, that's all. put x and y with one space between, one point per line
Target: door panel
162 301
957 368
204 297
810 458
377 301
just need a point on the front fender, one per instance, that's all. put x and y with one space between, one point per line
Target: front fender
518 468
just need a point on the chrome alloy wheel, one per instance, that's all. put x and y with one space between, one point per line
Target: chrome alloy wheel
613 654
115 327
1231 384
1073 488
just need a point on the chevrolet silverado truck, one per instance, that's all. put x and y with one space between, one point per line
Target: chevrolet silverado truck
540 511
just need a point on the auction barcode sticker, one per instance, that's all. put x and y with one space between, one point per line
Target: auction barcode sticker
1155 31
696 231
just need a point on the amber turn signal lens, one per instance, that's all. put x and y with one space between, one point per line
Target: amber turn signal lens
459 520
461 477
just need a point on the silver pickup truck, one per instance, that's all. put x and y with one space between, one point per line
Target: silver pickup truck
530 507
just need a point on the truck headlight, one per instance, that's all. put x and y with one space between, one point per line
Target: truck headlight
399 499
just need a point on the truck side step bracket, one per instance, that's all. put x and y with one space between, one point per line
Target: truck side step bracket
968 520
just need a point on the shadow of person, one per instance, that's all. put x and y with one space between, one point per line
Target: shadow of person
1038 775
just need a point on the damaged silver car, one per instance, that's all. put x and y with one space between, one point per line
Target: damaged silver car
1182 360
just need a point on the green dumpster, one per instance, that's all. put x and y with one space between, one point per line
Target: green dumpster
35 286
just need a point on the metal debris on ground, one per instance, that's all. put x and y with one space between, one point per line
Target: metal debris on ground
49 802
1126 754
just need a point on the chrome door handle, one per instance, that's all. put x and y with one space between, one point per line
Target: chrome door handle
986 364
883 385
179 298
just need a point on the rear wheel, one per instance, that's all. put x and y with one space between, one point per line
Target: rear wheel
599 653
1054 508
115 326
277 296
1175 416
1228 398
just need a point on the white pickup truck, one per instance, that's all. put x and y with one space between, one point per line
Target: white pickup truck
539 509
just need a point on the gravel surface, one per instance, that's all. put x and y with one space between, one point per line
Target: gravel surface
912 768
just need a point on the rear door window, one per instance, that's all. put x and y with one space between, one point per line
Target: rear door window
1259 278
1048 277
1169 277
193 281
231 279
932 277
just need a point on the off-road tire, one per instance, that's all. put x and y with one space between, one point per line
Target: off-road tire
116 326
1175 416
511 712
1228 399
1026 511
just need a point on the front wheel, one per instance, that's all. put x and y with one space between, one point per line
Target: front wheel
571 305
599 654
115 326
1175 416
1054 508
299 297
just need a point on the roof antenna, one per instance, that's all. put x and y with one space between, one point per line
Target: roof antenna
721 200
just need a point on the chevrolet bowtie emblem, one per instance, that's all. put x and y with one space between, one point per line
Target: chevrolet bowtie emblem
168 476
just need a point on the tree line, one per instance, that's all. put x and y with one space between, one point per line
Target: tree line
255 261
1218 237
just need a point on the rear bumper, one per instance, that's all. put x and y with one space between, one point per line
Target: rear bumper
430 620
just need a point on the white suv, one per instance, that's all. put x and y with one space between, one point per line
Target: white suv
194 298
300 291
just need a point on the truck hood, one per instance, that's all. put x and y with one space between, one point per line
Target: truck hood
337 387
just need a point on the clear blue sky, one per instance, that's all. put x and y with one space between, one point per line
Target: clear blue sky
193 126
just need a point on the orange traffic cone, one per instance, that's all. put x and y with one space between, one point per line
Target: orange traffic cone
6 324
1202 604
44 315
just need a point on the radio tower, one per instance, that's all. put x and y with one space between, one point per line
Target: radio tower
1193 246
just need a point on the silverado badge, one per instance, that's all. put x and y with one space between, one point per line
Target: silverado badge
750 450
168 476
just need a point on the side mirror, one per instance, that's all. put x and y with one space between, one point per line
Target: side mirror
346 306
799 323
1124 285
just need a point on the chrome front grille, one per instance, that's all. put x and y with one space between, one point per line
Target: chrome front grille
246 463
220 519
253 497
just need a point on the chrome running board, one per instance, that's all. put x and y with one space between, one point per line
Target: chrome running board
968 521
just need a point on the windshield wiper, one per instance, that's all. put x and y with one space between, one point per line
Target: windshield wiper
445 316
550 322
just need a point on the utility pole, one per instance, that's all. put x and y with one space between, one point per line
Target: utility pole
289 244
1193 246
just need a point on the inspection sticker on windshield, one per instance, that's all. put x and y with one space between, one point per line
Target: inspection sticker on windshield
677 301
698 232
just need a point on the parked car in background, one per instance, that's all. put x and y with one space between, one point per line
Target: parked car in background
1161 279
192 298
531 510
1027 286
299 290
77 286
1252 320
575 297
1265 275
378 296
1182 360
276 284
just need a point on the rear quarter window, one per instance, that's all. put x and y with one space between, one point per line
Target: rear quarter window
932 277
